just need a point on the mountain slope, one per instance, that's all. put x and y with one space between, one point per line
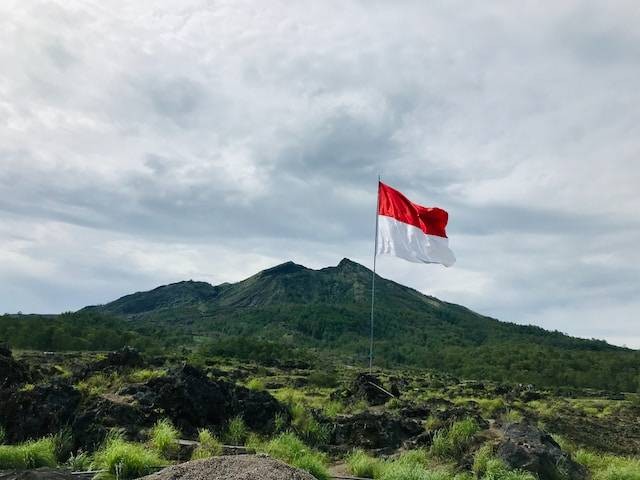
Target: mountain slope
327 310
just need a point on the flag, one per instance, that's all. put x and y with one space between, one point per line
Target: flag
411 231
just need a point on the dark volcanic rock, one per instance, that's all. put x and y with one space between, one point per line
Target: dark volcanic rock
95 419
374 430
37 412
527 448
191 400
364 387
12 372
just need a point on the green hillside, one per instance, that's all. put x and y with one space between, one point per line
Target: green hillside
292 312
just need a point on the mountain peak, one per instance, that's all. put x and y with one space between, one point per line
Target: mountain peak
283 268
349 265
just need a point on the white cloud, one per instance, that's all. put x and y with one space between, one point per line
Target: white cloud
141 143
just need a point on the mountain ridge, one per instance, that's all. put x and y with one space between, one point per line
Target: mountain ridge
346 284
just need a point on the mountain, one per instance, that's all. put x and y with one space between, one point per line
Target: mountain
291 309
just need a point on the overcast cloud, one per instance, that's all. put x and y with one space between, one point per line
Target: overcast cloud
148 142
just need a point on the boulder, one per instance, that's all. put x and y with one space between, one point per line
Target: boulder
191 400
12 372
525 447
364 387
36 412
374 430
237 467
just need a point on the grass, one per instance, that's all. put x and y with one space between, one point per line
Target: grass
609 467
80 462
513 416
290 449
363 465
452 442
481 459
256 384
209 446
236 431
145 374
99 384
126 460
497 470
164 437
32 454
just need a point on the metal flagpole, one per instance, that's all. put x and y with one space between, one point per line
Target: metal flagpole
373 278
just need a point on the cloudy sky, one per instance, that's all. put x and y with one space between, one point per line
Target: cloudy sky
149 142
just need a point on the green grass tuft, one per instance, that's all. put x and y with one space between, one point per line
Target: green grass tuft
256 384
33 454
609 467
126 460
236 431
363 465
452 442
290 449
481 459
209 446
164 437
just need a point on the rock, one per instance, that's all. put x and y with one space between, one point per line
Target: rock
12 372
526 447
238 467
37 412
191 400
127 357
95 419
371 430
363 387
37 474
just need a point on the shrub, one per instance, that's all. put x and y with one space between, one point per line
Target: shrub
236 431
126 460
164 438
33 454
3 434
452 442
362 465
209 446
290 449
256 384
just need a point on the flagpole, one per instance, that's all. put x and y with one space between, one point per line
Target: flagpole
373 278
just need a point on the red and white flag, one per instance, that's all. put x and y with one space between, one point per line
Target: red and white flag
411 231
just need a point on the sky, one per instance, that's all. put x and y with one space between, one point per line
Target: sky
143 143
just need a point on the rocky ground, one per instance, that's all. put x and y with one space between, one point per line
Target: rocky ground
386 413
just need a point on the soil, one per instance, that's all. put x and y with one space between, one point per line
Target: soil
238 467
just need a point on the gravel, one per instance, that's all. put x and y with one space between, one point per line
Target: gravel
235 467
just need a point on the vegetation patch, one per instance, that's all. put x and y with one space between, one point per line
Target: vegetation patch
164 438
126 460
209 446
290 449
32 454
452 442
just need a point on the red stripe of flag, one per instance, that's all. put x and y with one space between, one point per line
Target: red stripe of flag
392 203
